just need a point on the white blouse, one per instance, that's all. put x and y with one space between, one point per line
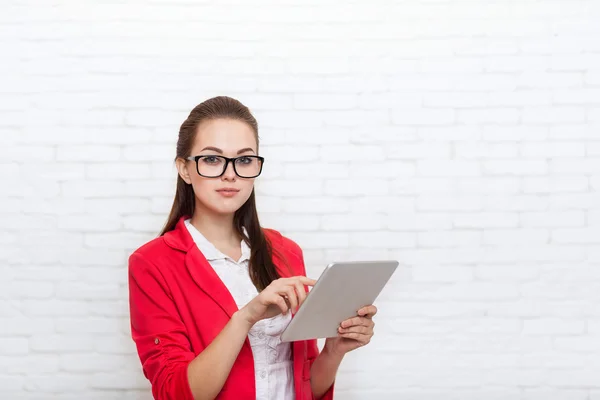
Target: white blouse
273 367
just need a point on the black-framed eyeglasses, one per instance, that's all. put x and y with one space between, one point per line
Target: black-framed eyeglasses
212 166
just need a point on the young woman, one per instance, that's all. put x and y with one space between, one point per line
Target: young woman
211 295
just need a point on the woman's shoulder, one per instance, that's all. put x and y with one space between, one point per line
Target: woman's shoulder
281 241
150 252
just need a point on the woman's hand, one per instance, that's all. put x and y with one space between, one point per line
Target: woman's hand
353 333
280 296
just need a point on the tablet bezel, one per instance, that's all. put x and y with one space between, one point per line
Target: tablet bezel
300 323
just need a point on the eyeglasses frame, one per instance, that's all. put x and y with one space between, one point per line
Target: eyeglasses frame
227 161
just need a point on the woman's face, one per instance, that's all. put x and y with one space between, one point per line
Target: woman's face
220 137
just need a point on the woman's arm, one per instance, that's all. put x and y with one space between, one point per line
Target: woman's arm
168 361
208 372
174 371
323 372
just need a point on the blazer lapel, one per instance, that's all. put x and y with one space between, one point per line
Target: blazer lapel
199 268
205 276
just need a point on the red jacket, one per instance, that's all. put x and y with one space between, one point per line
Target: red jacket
178 305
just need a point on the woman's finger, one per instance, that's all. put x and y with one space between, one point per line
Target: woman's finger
364 330
368 311
280 302
355 321
301 293
364 339
305 280
290 294
291 290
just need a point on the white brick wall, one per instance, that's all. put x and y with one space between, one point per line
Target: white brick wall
460 137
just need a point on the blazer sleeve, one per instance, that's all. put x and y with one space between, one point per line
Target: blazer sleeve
312 349
158 332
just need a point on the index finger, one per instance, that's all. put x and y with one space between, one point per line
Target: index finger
306 280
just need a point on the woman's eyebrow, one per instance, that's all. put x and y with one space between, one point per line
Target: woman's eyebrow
216 149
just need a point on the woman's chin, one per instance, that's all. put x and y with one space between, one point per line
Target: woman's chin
226 207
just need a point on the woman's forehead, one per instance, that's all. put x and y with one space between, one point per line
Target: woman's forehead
225 134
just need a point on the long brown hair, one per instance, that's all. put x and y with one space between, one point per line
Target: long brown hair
262 269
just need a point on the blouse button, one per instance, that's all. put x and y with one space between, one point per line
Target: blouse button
263 374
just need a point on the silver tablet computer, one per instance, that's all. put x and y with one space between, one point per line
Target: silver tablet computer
341 290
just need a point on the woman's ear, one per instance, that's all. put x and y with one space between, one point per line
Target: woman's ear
182 169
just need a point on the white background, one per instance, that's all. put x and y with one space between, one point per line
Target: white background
461 138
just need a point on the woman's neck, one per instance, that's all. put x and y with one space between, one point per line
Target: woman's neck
217 229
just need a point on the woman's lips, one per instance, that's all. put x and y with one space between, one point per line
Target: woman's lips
228 192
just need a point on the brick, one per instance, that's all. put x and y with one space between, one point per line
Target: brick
95 189
552 115
318 240
381 204
488 116
452 99
296 222
513 236
87 153
343 223
148 152
520 98
515 133
423 116
448 168
550 326
576 235
485 150
382 134
572 166
510 273
454 203
485 220
479 290
54 307
583 344
574 218
515 167
117 170
449 133
555 184
89 223
555 149
316 205
61 343
422 150
289 153
313 136
411 221
324 101
356 187
442 274
573 131
14 346
383 239
449 239
347 153
290 188
488 185
549 80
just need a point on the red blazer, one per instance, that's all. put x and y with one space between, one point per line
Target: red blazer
178 305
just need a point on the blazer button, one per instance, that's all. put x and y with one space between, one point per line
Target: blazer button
156 341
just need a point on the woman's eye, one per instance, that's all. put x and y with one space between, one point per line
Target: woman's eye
244 160
211 159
